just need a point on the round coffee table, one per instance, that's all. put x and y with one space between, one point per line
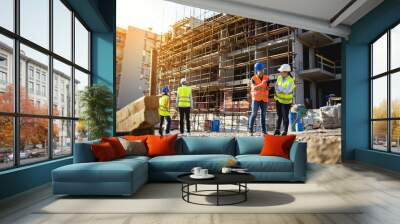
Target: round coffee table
238 179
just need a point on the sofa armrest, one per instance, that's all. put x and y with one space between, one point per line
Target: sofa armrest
83 152
298 155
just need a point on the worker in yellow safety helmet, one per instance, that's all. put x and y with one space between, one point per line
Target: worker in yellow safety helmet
284 88
184 102
163 110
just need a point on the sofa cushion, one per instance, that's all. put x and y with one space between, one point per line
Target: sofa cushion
161 145
134 147
277 145
103 152
249 145
116 145
206 145
185 163
257 163
112 171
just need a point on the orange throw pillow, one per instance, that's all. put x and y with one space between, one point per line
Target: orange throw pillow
277 145
116 145
136 137
103 152
161 145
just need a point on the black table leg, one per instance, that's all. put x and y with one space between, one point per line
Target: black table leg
217 194
195 188
245 193
188 190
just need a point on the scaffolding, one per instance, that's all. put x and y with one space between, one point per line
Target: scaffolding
216 54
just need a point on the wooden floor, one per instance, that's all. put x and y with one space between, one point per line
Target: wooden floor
378 189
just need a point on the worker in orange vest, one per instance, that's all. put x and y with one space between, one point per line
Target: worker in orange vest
259 95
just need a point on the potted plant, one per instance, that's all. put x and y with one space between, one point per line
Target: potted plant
96 103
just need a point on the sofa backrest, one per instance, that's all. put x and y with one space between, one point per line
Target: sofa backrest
249 145
83 152
206 145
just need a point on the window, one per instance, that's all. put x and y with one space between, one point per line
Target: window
62 29
48 78
6 142
30 72
37 75
81 82
30 88
3 61
3 78
37 89
33 140
81 45
62 137
34 21
385 95
44 91
7 14
395 47
6 74
61 74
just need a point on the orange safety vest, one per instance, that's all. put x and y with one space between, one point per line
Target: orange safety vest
261 93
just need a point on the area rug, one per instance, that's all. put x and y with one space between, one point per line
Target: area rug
166 198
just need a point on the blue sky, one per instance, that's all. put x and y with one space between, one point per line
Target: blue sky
157 14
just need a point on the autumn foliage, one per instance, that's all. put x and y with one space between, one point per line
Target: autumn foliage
380 127
33 131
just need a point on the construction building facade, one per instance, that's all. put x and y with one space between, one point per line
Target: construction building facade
217 54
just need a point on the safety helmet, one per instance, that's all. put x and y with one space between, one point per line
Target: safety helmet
165 89
258 66
285 68
183 81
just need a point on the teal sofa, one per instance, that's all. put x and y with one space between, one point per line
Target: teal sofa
125 176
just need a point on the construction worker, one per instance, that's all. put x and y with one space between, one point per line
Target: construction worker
284 88
184 102
163 110
259 95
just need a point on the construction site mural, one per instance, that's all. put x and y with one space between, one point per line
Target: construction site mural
214 54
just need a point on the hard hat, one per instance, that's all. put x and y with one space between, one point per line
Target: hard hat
165 89
259 66
285 68
183 81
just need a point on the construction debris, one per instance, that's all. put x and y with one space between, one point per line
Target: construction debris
140 114
323 146
312 120
330 116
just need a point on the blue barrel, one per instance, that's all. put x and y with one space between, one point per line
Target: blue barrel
215 125
292 118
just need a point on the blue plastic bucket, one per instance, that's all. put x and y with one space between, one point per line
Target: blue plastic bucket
299 126
215 125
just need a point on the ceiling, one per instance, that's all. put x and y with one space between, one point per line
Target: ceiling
327 16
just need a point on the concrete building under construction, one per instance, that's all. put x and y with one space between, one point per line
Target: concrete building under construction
217 54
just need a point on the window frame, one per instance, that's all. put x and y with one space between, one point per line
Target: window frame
16 114
388 74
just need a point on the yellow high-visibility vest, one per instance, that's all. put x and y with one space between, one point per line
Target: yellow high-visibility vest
285 98
184 96
164 103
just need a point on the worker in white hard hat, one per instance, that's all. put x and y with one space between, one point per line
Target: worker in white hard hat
184 102
284 88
